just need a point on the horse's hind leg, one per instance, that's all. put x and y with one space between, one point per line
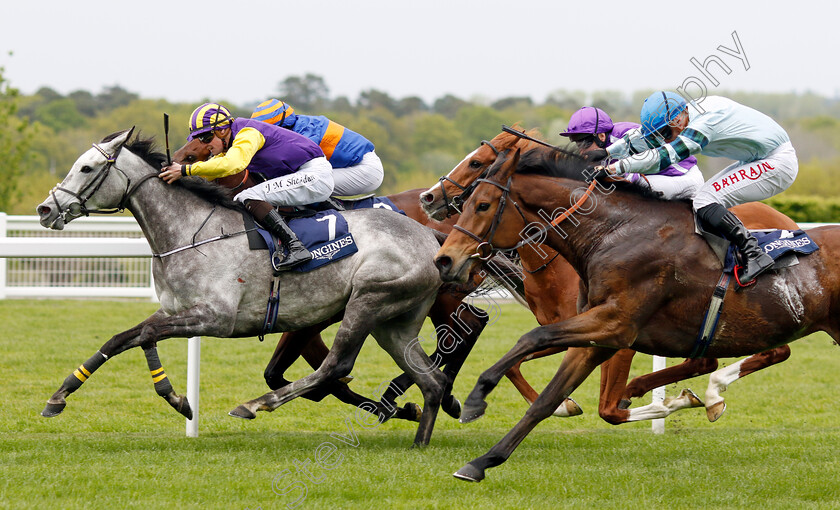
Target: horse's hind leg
157 327
721 379
162 385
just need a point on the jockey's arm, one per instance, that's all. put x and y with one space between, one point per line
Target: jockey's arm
246 143
651 161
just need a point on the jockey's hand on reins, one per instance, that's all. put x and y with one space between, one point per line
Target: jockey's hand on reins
598 173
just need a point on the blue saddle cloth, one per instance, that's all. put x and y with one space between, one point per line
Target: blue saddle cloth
325 234
372 202
776 243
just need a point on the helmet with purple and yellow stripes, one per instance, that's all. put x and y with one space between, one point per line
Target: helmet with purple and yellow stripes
208 117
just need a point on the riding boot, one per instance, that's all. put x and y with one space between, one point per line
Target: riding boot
298 254
755 261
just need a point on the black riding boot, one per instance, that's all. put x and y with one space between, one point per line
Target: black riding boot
298 254
755 261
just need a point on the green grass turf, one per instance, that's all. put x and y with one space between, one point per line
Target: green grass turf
118 445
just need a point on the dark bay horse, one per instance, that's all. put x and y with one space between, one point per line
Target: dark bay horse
646 279
448 314
552 286
210 283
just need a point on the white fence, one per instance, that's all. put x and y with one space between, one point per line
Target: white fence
109 257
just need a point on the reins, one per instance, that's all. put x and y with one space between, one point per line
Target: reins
485 248
94 185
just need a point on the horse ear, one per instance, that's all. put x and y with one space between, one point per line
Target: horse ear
510 165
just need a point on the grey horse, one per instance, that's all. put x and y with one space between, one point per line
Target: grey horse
211 284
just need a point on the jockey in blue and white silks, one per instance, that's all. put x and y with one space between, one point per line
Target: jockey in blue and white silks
357 169
591 128
298 173
716 126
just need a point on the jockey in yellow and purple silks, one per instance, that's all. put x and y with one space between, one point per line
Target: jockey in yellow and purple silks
356 167
296 169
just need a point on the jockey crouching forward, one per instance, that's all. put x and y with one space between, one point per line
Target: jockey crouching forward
357 170
592 129
295 167
719 127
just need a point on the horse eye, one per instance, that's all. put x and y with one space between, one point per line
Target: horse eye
189 159
86 169
475 164
483 206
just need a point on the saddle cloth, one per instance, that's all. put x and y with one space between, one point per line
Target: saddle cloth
325 234
782 245
369 201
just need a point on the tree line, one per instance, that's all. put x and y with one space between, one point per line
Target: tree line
42 134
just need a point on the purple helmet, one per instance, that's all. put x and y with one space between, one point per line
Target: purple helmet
589 120
208 117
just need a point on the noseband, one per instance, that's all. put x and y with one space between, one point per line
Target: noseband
485 248
79 208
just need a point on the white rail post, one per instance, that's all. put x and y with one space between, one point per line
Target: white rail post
658 425
193 376
3 264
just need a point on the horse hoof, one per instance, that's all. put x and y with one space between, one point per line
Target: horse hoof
186 409
568 408
242 412
53 409
451 406
418 411
624 403
715 411
346 379
693 399
469 473
472 412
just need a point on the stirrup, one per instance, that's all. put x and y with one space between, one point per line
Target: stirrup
293 259
761 269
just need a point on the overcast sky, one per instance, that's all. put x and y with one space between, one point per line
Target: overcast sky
239 51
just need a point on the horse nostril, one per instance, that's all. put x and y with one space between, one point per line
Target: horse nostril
443 262
427 198
43 210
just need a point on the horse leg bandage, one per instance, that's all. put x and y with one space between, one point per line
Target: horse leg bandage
74 381
162 385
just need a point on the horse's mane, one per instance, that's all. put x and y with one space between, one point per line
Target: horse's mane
553 163
145 149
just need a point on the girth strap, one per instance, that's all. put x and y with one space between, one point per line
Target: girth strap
710 320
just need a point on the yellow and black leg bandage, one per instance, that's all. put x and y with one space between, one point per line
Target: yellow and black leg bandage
74 381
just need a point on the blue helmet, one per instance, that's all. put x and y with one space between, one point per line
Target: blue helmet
659 110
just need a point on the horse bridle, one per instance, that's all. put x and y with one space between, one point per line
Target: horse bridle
76 209
453 206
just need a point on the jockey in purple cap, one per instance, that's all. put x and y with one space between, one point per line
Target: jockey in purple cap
357 169
591 129
296 169
766 162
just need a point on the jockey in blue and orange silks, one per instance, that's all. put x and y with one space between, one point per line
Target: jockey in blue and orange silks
591 129
296 169
766 162
357 169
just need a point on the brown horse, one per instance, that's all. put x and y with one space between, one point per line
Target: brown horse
552 285
646 278
461 321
